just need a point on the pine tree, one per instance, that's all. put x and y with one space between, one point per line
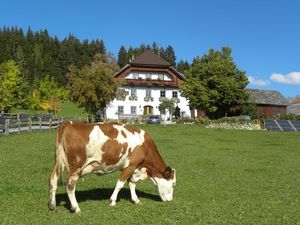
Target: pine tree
130 54
122 57
183 66
155 48
142 48
170 55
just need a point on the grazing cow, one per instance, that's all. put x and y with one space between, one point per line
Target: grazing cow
105 148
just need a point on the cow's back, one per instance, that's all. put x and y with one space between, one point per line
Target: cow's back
107 146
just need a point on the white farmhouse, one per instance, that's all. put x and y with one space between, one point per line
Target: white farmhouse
144 83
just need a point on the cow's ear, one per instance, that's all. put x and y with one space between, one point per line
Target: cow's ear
168 173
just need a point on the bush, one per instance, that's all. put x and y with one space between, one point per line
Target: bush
185 120
251 110
289 116
203 120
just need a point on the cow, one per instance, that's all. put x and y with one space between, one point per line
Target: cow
82 149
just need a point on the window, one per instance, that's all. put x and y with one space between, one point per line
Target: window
163 93
174 94
120 109
133 92
148 76
160 76
135 76
133 110
148 92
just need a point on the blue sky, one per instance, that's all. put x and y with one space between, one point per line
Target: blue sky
263 34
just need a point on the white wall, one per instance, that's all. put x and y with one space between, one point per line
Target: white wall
112 108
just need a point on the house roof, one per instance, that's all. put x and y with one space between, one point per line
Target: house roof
148 58
267 97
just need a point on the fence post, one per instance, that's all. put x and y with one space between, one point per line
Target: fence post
19 125
6 129
29 124
50 123
40 123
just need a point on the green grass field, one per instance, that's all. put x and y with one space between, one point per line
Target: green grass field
223 177
70 109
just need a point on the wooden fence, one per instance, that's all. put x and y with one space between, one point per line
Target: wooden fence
18 125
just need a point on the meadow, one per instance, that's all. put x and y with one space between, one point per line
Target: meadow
223 177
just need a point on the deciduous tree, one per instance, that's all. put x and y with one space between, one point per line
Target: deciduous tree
167 104
93 86
12 86
49 96
214 83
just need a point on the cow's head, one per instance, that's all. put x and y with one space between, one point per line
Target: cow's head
166 183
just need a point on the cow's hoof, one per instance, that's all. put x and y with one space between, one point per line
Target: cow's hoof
75 210
137 202
112 203
51 207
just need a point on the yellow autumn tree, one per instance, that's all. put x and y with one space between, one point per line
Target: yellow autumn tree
49 96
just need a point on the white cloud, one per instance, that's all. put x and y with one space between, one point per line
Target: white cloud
292 78
261 83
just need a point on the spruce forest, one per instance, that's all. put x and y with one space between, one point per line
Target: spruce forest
38 54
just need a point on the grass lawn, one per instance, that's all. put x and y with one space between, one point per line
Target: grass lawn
70 109
223 177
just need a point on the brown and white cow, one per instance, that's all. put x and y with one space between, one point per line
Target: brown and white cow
105 148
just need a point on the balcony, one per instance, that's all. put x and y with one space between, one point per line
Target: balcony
148 82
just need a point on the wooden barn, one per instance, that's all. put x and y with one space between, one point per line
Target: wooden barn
270 103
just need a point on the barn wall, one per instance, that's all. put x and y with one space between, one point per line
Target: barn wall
269 111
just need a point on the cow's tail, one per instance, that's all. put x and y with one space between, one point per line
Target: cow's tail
61 162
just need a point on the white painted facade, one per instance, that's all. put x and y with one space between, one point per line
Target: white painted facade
137 106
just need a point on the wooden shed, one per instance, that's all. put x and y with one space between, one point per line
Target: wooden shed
270 103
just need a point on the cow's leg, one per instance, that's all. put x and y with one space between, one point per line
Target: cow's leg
126 172
52 188
113 198
139 174
71 192
134 197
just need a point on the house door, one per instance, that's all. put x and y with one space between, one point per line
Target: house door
148 110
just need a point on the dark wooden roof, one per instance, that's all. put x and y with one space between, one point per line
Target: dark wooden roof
149 59
266 97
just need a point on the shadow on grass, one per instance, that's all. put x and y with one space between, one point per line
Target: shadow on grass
101 194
